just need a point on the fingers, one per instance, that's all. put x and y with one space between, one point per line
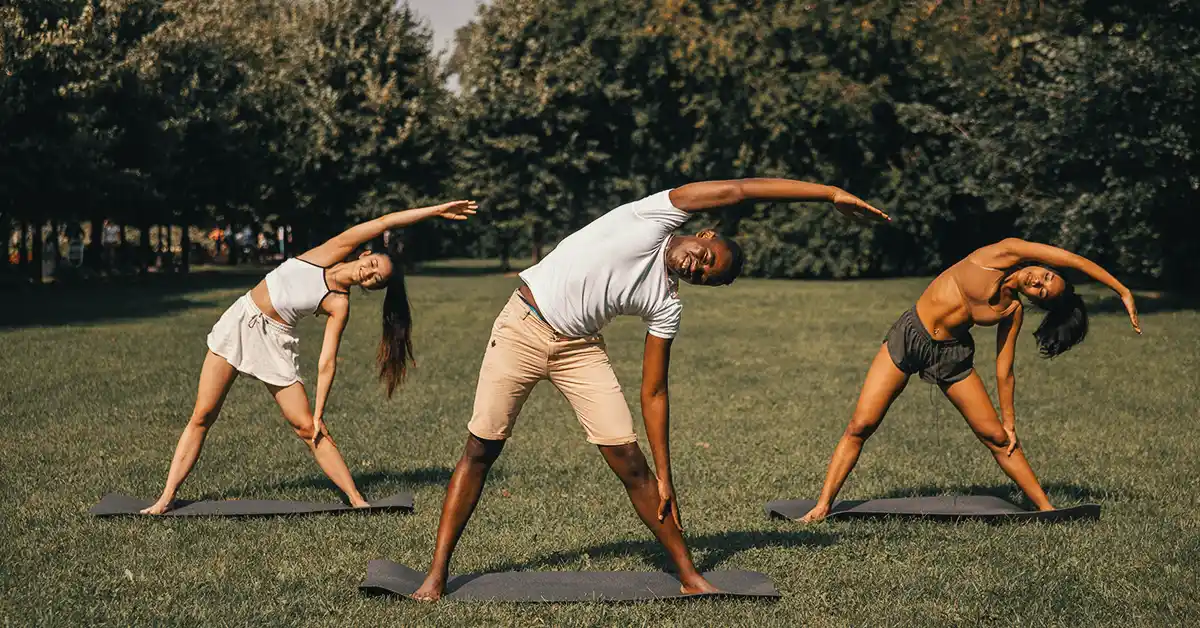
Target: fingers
663 506
1012 446
675 515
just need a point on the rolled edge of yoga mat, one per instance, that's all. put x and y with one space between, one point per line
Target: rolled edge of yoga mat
387 577
938 508
117 505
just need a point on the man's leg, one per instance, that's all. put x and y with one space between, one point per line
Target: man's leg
630 465
513 363
466 485
581 371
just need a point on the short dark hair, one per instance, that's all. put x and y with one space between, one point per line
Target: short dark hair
737 258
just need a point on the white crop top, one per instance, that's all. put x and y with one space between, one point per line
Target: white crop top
297 288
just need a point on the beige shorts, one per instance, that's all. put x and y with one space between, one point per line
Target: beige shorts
256 344
522 351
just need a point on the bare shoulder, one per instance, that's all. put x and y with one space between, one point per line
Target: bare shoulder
336 305
1000 255
706 195
324 255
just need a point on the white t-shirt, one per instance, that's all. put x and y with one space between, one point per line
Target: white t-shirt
613 266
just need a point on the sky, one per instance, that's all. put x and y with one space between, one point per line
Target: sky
445 16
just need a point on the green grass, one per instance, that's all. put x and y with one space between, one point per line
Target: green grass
97 383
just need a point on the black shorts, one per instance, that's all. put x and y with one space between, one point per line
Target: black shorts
913 350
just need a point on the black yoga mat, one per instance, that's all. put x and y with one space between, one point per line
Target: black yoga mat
119 505
384 576
948 508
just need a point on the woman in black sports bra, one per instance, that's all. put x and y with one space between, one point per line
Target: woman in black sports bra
933 339
256 337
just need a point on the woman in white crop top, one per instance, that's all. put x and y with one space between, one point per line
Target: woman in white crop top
256 337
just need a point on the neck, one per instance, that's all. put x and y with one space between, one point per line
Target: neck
672 241
339 276
1013 281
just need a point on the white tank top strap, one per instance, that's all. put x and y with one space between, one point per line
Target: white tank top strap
297 288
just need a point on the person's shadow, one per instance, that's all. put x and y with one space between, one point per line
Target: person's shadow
370 484
709 550
1058 491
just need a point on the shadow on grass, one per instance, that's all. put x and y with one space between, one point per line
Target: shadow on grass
119 298
711 550
1058 491
1147 303
371 484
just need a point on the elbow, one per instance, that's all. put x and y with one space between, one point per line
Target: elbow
653 393
1011 245
326 367
736 192
1005 376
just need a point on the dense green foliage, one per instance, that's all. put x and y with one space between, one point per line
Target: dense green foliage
1070 122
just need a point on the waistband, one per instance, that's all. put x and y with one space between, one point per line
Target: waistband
528 313
916 322
257 317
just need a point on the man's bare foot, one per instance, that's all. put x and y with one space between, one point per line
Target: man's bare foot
361 503
696 584
816 514
1047 508
431 590
157 508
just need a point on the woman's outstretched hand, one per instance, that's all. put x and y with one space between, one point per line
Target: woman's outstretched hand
1127 299
456 210
855 208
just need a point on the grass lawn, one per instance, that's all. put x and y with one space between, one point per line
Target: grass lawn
96 384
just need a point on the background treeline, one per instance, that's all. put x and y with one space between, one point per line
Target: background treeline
1072 122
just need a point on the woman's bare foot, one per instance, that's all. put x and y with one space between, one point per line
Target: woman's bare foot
696 584
431 590
818 513
361 503
157 508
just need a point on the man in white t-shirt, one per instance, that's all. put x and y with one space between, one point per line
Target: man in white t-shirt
626 262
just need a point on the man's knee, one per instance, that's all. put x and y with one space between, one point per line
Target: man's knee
481 452
628 463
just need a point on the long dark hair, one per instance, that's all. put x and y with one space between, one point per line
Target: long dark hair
1065 324
395 345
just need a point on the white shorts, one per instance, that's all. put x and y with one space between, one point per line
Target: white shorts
256 344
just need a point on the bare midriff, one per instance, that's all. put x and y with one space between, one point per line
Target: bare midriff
262 299
527 294
962 296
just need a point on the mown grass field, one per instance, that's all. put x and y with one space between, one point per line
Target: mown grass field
96 383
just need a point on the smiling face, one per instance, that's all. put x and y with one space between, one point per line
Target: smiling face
704 259
372 271
1041 284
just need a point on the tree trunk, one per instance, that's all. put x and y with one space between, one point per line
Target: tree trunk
55 254
23 249
35 233
95 251
185 246
537 242
144 250
231 239
6 233
505 258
